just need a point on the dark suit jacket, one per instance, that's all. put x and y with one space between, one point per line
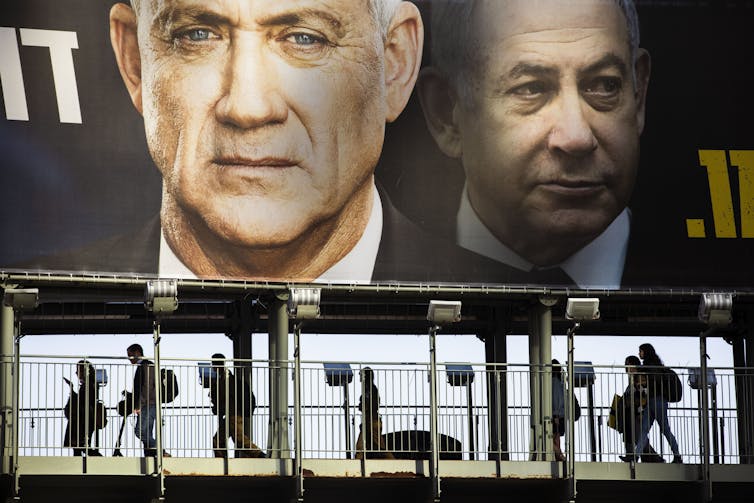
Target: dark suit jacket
406 254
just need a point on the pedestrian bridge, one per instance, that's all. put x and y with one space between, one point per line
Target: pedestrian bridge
482 449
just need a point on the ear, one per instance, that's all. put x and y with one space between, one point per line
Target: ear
439 101
403 55
123 37
642 69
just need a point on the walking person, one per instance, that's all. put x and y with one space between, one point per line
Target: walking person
657 403
233 411
81 411
370 438
558 410
630 414
144 399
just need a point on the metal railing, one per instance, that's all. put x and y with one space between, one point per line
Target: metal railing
332 413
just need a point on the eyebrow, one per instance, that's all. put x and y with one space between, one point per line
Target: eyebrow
169 16
608 60
200 15
303 15
532 69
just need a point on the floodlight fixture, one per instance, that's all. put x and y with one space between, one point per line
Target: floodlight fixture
338 374
583 374
100 377
459 375
207 374
715 308
695 378
583 309
21 299
444 311
303 303
161 296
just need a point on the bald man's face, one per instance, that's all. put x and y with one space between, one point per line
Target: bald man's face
550 121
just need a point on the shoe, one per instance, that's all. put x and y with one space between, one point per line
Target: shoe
652 458
627 458
677 460
166 454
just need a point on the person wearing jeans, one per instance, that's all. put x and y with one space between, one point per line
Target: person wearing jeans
145 399
657 404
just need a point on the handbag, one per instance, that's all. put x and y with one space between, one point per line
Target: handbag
612 419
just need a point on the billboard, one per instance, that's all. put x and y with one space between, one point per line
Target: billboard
445 141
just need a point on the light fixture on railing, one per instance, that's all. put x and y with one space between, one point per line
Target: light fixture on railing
583 309
715 308
459 375
100 377
441 312
21 299
161 296
303 303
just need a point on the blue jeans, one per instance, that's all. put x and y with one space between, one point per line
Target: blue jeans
145 423
657 410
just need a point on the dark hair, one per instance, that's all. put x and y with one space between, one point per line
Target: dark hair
367 374
135 348
557 369
90 373
632 360
218 360
650 355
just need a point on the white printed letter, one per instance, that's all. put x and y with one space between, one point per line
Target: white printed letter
11 77
60 43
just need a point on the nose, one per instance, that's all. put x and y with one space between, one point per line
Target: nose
251 95
571 132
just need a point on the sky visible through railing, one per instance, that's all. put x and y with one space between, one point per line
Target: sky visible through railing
404 392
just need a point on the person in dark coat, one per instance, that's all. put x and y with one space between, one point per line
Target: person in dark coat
233 411
372 443
629 418
81 411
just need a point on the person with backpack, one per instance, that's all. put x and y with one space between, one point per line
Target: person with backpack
144 399
659 387
81 412
233 403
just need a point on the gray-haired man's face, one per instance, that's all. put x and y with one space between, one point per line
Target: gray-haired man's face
549 122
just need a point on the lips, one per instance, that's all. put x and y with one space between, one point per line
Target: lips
254 162
573 187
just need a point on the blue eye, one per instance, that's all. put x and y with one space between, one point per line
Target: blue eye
198 35
305 39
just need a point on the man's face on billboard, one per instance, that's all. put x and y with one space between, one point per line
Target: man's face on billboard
549 122
265 117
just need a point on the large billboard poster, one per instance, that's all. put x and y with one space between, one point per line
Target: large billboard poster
587 143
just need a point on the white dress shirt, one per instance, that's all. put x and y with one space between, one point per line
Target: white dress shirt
356 267
597 265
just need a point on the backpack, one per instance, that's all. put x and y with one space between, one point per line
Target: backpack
169 385
673 389
576 409
100 415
